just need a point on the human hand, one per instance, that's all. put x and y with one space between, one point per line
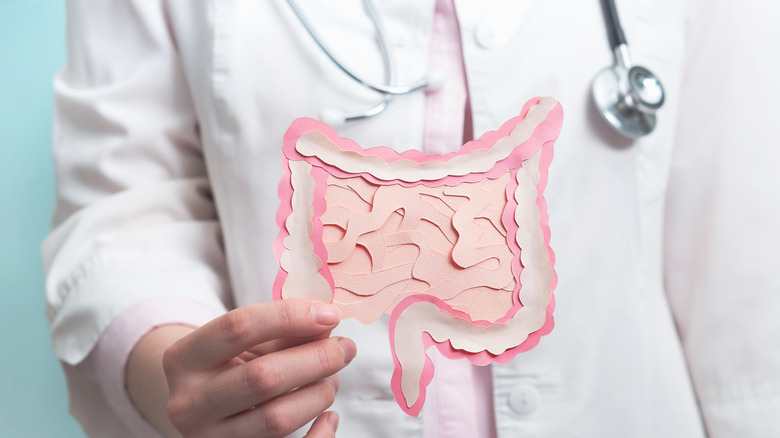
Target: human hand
262 370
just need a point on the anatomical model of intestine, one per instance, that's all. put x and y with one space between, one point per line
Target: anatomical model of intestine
455 247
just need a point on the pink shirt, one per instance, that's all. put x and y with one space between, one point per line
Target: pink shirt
460 401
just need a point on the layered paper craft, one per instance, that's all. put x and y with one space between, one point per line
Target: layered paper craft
455 248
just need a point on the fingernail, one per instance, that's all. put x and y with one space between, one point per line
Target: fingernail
333 420
349 349
325 314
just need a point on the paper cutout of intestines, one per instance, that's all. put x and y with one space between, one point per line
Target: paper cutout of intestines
455 248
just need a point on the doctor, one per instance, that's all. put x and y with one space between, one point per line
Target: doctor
168 133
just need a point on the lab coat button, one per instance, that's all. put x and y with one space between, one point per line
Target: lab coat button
524 399
486 37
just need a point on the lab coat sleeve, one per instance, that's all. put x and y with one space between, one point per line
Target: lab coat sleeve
135 221
723 215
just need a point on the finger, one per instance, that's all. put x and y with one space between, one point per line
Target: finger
262 379
283 415
239 330
324 426
280 344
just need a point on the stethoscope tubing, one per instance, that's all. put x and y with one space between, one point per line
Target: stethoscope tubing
386 89
614 30
619 92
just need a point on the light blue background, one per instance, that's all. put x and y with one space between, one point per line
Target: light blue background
33 400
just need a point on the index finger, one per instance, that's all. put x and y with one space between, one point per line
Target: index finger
235 332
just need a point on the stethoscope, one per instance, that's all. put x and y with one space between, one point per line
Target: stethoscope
627 96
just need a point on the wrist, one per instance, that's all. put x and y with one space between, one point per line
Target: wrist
145 380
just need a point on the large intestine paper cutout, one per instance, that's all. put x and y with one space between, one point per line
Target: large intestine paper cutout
455 248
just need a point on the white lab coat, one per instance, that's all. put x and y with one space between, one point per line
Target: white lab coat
169 124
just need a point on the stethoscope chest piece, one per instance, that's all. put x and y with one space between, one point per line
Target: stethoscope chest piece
628 100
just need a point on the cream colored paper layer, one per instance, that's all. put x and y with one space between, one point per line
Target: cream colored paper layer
316 144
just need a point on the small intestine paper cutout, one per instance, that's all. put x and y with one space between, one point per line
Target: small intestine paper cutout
455 248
